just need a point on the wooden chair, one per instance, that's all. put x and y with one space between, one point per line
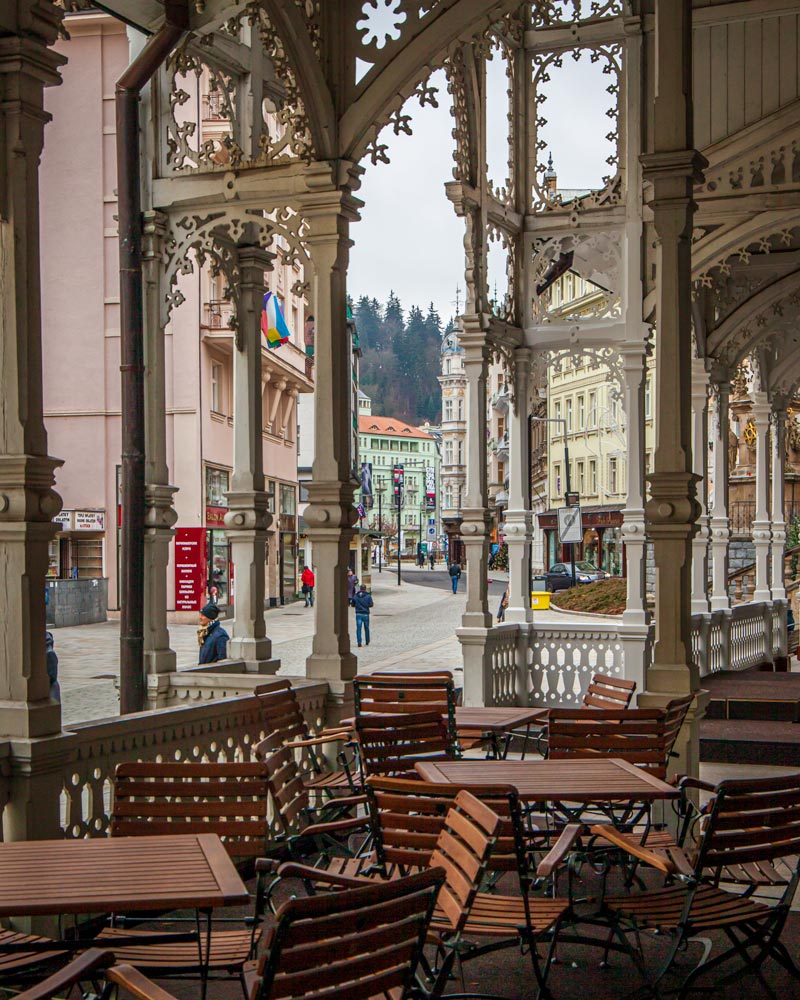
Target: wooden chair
304 829
465 837
361 943
392 744
90 966
227 799
604 692
285 725
752 828
27 956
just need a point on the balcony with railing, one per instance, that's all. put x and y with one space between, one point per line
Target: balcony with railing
217 314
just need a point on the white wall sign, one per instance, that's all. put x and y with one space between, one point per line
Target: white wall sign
64 518
90 520
570 525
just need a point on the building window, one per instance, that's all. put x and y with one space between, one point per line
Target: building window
271 496
448 409
216 387
569 415
216 487
447 366
448 453
593 477
592 409
460 452
648 399
448 497
581 478
460 408
612 476
581 413
557 478
557 412
288 503
648 462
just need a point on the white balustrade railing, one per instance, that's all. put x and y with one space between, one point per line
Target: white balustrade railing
501 654
744 637
561 660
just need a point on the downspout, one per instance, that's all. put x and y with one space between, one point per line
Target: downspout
131 569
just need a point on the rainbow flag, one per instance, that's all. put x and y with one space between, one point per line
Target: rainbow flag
273 325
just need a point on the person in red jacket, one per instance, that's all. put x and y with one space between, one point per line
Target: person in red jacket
307 579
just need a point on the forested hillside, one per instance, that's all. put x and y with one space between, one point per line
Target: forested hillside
400 358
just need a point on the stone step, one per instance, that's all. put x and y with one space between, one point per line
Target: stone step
724 741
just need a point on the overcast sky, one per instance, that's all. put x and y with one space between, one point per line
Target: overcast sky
410 239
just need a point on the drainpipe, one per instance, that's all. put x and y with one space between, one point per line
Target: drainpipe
131 569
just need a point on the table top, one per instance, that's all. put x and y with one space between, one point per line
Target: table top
120 874
554 780
488 720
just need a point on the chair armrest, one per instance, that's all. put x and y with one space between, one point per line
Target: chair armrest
335 825
313 741
267 866
630 845
291 869
79 968
344 800
687 781
559 850
137 983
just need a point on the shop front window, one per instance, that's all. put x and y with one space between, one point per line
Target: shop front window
218 567
288 503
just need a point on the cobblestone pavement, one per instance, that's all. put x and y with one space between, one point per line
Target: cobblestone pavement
413 627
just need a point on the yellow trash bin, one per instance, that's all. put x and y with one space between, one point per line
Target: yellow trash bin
540 600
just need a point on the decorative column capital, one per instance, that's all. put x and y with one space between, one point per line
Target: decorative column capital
154 234
248 510
160 515
253 261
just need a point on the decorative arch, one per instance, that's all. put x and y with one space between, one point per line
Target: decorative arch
754 310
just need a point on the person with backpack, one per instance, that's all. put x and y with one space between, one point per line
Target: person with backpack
362 602
455 576
307 579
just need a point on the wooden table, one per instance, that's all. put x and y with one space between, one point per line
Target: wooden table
579 781
494 722
117 874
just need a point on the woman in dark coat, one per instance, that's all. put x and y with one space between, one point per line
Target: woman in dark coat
212 636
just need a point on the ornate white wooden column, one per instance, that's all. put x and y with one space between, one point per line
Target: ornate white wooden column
761 523
476 524
160 516
720 525
27 499
475 527
518 527
778 588
330 515
700 603
248 518
633 523
672 167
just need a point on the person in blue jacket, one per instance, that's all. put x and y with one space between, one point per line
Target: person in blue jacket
362 602
212 636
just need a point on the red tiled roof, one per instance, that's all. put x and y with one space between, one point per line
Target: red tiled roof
369 424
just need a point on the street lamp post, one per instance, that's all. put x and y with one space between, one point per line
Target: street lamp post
380 491
561 420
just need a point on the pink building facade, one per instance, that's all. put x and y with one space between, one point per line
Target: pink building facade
80 321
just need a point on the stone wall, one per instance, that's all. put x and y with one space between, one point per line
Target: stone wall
77 602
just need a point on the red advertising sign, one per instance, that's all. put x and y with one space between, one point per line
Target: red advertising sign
215 516
191 571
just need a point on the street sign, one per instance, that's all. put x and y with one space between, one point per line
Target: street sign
570 525
431 531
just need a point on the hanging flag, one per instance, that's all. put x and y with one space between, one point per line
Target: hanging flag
361 511
273 325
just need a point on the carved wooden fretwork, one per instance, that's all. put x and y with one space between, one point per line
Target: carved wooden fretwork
596 256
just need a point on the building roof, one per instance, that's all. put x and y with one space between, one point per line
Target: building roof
370 424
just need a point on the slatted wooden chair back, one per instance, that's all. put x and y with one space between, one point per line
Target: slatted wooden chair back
462 850
280 712
353 944
288 791
408 817
396 694
605 691
750 824
392 744
227 799
637 735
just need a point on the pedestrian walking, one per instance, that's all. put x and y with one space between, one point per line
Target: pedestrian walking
352 585
432 559
212 637
455 576
307 580
501 611
362 602
52 666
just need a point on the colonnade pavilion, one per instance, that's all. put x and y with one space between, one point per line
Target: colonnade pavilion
694 235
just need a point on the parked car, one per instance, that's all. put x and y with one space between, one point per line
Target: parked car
559 576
